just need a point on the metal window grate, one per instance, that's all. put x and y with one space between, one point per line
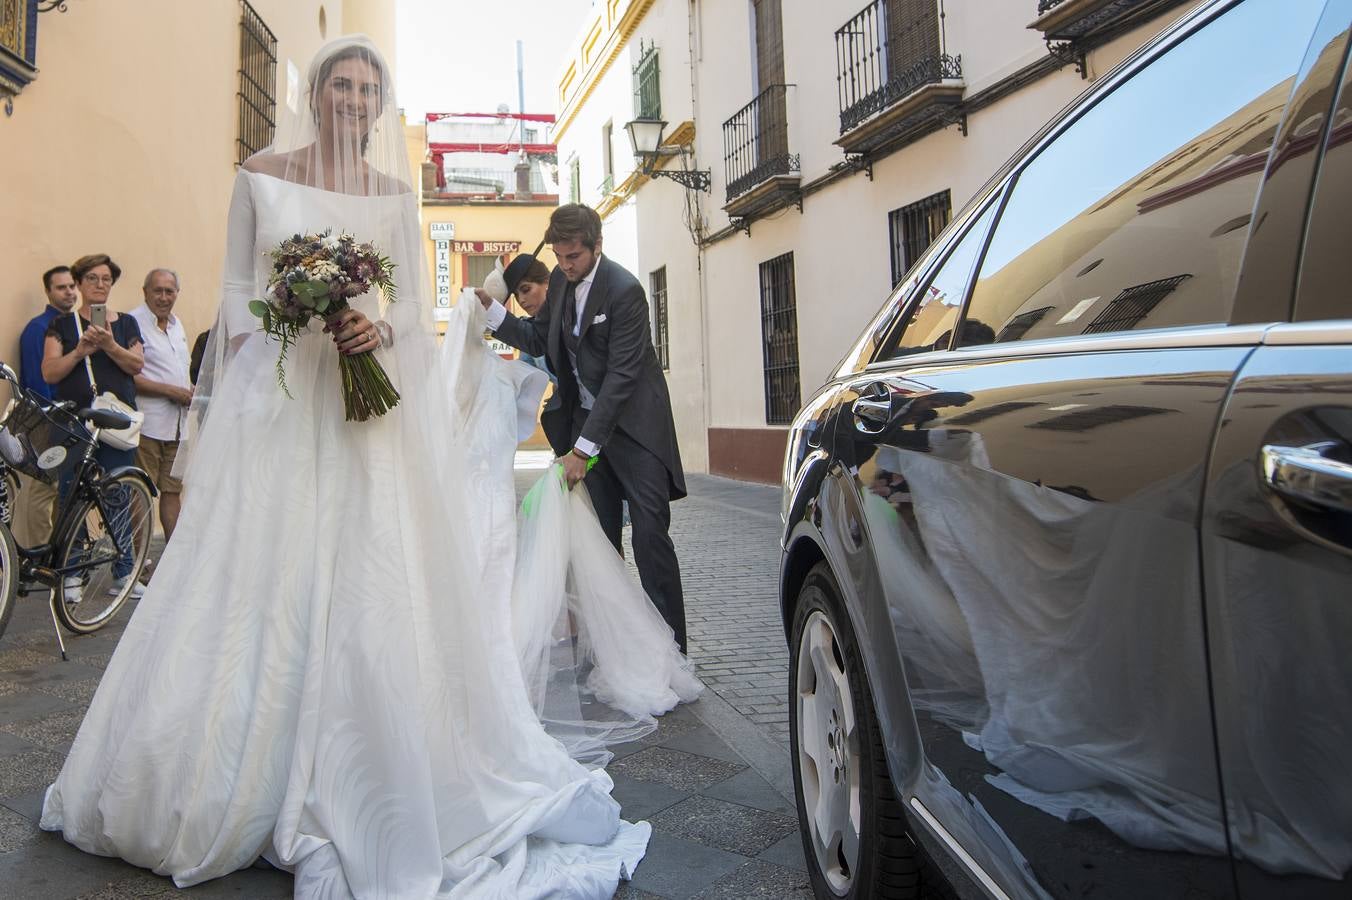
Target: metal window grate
257 84
647 85
1128 308
913 228
1018 326
657 288
575 180
779 336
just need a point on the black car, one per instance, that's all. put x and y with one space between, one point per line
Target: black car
1067 570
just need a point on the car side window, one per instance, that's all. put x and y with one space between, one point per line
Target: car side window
1136 215
932 316
1325 289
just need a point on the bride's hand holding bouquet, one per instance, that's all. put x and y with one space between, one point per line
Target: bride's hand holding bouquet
315 276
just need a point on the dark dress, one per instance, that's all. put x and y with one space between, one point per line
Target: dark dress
75 386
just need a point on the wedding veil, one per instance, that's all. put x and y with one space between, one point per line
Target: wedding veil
342 136
339 160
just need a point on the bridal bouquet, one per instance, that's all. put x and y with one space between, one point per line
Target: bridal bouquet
314 276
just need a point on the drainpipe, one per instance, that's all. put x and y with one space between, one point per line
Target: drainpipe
701 282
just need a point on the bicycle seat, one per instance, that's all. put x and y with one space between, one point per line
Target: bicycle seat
104 418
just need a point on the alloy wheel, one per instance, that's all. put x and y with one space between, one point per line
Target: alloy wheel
828 752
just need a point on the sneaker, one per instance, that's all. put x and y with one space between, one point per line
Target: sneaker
72 590
137 589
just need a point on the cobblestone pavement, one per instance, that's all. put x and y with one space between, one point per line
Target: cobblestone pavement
711 782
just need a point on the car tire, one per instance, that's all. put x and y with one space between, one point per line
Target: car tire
838 759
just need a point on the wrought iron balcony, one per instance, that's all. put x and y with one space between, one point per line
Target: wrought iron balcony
1093 20
760 169
893 77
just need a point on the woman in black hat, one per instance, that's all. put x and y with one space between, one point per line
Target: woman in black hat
528 279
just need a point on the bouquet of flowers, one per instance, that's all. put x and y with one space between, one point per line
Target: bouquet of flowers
314 276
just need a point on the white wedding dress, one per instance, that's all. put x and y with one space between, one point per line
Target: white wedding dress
322 670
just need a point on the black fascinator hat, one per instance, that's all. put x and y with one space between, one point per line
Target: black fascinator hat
518 267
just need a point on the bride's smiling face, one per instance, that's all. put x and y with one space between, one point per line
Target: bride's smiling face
349 99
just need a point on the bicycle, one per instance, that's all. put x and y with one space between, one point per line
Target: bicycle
93 558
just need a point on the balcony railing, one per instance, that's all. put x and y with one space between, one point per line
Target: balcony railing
607 186
756 142
1093 20
491 181
879 61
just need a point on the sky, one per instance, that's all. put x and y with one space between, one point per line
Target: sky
460 55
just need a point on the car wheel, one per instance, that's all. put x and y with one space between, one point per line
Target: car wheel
855 834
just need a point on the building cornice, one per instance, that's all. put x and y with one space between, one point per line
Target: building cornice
608 31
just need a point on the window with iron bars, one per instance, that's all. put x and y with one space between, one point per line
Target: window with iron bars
913 228
779 339
1018 326
1128 308
257 84
657 289
647 85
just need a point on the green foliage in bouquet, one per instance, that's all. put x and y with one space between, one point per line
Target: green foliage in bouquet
315 276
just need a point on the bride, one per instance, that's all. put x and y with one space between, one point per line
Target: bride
322 671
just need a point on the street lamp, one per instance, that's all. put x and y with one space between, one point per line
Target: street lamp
645 136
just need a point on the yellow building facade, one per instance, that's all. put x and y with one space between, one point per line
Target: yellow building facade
125 140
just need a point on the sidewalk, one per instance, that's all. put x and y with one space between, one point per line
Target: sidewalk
713 781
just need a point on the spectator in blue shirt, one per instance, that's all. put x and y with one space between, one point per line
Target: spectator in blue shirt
61 297
37 500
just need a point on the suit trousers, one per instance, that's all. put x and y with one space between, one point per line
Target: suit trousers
626 470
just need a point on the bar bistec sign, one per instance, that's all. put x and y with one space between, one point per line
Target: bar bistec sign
496 248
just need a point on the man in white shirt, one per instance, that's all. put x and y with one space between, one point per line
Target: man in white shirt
163 390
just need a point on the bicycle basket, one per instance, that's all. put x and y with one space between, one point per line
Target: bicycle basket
39 441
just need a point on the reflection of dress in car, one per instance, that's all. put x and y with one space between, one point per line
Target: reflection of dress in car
1092 702
932 635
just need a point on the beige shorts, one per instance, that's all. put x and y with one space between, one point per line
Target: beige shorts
157 458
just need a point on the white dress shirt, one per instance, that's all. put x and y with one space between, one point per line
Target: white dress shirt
497 313
166 361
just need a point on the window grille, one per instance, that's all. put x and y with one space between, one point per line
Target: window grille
1018 326
647 85
257 84
657 288
1128 308
913 228
779 334
574 180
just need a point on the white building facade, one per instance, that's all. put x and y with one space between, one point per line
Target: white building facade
839 139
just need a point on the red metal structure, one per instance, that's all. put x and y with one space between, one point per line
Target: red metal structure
438 149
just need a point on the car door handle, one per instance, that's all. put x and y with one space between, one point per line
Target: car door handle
1307 475
875 412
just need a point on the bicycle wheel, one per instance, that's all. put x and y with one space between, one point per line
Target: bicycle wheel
9 576
103 554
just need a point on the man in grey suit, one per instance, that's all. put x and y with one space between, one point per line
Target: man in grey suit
613 407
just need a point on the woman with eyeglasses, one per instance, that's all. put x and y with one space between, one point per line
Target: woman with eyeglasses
115 354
